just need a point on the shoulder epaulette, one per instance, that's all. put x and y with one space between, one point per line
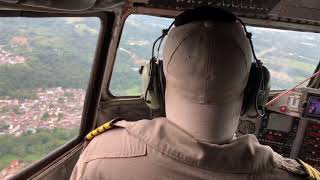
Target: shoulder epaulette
313 174
101 129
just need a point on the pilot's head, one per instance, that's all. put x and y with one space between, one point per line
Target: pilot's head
206 64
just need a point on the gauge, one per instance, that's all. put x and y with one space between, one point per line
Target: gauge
246 127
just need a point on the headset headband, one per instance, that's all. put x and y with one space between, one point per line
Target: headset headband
205 14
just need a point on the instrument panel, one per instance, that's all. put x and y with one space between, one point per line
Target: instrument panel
279 136
291 126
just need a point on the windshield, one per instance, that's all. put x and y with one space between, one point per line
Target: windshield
290 56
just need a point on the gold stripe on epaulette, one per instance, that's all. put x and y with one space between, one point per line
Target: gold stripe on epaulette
99 130
313 174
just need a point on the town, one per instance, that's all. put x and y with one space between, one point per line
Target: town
52 108
9 58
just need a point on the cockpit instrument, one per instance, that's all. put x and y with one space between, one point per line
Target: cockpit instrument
313 107
291 125
288 104
246 127
279 122
279 132
310 148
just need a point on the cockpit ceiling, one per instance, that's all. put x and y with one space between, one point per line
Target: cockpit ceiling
80 6
240 6
293 11
305 12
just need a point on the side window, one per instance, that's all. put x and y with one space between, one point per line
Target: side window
45 65
138 35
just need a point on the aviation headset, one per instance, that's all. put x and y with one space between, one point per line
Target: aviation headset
153 79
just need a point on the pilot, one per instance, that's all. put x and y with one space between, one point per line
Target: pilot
206 66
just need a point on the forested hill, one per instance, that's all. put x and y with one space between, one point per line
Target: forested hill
57 52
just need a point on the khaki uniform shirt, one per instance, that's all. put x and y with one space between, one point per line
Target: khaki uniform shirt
158 149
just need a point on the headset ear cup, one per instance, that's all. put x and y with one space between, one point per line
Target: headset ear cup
150 84
145 79
265 89
257 90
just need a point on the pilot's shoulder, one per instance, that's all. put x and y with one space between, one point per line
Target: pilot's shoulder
101 129
113 142
297 169
287 168
311 172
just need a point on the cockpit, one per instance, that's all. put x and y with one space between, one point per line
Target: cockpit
68 68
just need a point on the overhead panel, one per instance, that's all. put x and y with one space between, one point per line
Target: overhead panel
244 6
294 11
301 10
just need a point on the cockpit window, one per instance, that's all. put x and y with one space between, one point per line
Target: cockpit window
45 66
138 35
290 56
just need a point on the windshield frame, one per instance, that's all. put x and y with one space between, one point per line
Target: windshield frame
171 14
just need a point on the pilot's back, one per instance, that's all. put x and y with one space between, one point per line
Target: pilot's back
158 149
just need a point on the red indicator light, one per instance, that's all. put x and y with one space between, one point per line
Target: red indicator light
283 108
